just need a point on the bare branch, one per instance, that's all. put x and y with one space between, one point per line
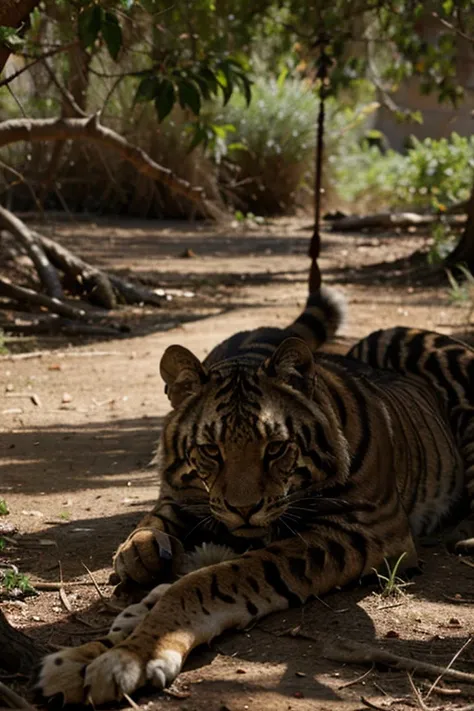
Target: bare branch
20 293
453 28
65 93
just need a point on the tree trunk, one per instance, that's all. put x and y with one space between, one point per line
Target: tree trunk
463 253
19 654
12 14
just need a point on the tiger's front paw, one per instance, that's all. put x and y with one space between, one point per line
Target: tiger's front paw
461 539
144 557
123 670
62 673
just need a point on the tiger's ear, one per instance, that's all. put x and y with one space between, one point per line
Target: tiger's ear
182 373
292 362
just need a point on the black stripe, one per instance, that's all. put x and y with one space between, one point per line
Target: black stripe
253 609
297 567
273 578
317 558
416 350
341 408
453 357
253 584
107 642
433 366
363 445
216 593
337 553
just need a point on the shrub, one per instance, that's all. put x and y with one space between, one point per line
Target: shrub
273 144
432 175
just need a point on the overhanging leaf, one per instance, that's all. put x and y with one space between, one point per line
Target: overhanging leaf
165 98
112 34
189 96
89 24
148 88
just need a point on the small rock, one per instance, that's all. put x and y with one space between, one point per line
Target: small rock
454 621
298 673
298 695
66 398
392 634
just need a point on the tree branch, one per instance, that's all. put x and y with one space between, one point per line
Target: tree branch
91 129
20 293
46 272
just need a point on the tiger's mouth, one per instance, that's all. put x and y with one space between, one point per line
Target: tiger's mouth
247 531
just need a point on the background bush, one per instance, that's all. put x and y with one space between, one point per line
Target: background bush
433 174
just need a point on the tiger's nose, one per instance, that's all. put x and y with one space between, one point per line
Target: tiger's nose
245 511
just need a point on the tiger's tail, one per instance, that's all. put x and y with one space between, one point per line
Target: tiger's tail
323 315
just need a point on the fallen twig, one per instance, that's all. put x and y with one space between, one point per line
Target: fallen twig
417 695
109 605
14 700
458 653
390 220
358 680
59 354
372 705
350 652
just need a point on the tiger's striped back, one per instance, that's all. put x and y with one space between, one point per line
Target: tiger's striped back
445 363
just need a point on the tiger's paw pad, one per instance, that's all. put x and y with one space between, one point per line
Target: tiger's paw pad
117 672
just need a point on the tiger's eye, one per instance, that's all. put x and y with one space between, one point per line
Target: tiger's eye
276 449
210 450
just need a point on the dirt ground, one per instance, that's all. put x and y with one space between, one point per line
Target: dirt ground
80 420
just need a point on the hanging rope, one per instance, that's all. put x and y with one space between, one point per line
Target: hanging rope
324 62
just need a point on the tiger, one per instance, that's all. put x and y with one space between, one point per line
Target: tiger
287 472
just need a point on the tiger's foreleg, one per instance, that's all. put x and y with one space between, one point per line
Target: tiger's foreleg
153 551
203 604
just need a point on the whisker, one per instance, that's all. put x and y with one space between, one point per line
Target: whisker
295 533
202 522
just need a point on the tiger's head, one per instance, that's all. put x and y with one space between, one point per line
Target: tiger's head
247 438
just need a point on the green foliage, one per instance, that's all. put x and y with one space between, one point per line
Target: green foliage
270 143
3 348
3 544
12 581
461 291
3 508
443 242
193 84
10 38
433 174
93 20
392 585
